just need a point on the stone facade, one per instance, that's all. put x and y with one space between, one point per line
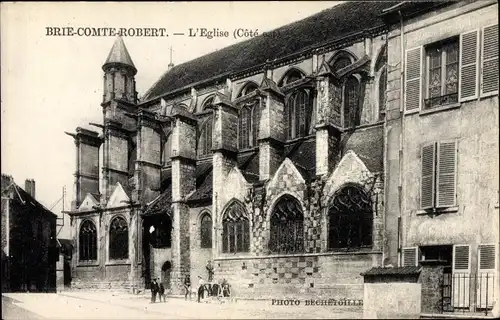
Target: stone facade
176 156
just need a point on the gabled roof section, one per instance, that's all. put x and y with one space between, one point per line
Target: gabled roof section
324 27
118 197
119 54
88 203
24 199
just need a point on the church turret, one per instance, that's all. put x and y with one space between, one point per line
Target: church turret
119 72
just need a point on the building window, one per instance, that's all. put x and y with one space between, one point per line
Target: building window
87 240
167 149
350 218
287 226
118 239
351 102
249 126
247 89
382 88
205 138
236 229
438 175
442 73
340 63
299 113
290 77
206 231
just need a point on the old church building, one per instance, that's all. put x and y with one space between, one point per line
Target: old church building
268 157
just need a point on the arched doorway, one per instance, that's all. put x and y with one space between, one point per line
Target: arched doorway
166 268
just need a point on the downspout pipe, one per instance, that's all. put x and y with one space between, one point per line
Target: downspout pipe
401 138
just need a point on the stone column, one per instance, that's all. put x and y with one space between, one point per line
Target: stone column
183 183
87 164
328 120
272 129
224 146
115 164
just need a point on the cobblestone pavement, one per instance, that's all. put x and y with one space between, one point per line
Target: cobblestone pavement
107 305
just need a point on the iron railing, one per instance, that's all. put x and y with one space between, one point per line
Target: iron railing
464 292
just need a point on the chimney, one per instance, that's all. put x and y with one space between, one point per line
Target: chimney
29 187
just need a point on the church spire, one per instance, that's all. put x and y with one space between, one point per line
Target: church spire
119 55
119 72
170 65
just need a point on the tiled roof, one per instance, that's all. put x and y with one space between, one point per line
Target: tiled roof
24 199
326 26
119 54
368 144
249 166
375 271
303 156
204 189
162 204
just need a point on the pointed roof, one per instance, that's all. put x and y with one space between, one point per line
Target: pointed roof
119 54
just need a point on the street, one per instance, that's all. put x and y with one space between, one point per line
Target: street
107 305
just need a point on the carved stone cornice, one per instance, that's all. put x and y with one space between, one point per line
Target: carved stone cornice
115 128
147 119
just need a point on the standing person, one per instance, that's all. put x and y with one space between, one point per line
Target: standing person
154 290
187 286
161 292
201 288
210 270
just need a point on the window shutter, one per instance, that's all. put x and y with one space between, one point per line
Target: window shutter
486 276
489 66
486 257
461 276
427 185
461 258
413 84
446 173
469 46
410 258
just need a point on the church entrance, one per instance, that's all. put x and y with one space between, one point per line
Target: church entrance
165 274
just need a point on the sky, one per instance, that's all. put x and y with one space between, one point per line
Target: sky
53 84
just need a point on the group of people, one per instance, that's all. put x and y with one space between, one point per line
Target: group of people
212 289
157 289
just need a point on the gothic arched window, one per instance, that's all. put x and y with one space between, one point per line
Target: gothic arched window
247 89
87 240
351 102
382 87
287 226
208 101
249 126
350 219
205 138
206 231
291 76
299 113
235 229
340 63
118 238
167 149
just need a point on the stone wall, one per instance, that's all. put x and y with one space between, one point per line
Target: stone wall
296 276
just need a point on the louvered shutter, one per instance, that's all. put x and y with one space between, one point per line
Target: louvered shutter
461 276
410 257
413 79
446 173
469 52
489 63
485 287
427 185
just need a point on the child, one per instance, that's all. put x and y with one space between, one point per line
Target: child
161 293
